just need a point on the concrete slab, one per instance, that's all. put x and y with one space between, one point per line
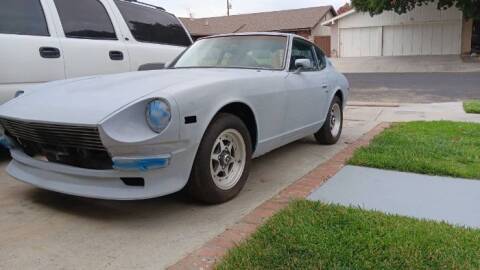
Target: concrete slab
452 200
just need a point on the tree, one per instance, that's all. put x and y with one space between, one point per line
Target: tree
470 8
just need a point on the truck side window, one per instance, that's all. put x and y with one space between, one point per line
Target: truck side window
85 19
152 25
22 17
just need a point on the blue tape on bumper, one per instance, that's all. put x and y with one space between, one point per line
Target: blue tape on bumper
140 164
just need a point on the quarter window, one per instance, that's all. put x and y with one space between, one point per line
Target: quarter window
85 19
302 50
152 25
22 17
322 62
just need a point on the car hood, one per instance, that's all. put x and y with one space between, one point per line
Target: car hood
90 100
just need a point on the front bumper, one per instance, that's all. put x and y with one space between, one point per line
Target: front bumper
103 184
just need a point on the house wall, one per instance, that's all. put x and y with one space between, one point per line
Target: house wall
424 14
422 31
320 30
335 41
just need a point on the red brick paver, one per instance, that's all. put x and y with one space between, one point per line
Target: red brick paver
212 252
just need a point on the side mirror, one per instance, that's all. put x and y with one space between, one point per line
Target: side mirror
303 64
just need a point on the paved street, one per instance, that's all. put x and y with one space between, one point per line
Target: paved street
414 87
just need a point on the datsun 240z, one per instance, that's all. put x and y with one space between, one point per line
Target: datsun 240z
195 125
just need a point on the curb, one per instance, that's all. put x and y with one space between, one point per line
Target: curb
207 256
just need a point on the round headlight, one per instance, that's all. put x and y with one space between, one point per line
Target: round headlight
158 115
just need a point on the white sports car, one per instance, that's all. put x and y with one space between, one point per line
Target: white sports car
195 125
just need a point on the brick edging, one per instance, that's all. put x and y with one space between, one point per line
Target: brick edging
214 250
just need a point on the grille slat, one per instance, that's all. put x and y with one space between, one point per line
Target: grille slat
54 134
65 134
51 127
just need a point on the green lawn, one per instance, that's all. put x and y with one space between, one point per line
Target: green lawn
472 106
309 235
435 148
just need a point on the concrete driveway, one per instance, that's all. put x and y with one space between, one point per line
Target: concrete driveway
45 230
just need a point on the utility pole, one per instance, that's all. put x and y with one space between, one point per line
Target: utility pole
229 6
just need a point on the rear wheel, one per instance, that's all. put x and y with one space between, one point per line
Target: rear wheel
332 128
222 164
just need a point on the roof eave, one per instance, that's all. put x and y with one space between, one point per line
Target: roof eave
343 15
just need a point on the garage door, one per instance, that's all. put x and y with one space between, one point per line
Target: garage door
361 42
422 39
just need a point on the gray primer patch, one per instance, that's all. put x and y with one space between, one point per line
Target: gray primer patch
455 201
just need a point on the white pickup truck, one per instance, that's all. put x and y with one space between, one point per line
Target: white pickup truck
46 40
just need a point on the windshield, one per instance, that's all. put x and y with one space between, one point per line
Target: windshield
257 52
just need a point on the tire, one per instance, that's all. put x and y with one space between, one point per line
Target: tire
331 131
220 173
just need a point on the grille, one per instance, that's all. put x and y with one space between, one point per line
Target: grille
56 135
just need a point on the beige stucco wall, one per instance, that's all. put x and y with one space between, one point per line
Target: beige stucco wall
467 36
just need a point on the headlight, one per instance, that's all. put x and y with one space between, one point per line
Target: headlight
158 115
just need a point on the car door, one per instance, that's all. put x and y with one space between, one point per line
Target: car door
307 91
30 51
90 43
155 38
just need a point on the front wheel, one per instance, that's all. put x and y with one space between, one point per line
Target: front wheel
222 163
332 128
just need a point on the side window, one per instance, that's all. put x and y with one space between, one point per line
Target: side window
302 50
322 62
22 17
148 24
85 19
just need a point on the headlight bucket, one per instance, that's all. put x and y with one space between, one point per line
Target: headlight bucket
158 115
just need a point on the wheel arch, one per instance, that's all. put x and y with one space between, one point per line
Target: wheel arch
246 114
340 95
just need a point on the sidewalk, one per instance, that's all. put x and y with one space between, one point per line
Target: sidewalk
452 200
388 64
369 112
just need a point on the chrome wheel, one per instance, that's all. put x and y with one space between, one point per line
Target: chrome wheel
335 119
228 158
